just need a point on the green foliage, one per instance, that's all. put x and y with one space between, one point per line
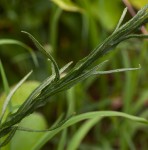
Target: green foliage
138 4
25 140
67 5
17 99
72 29
15 42
29 139
109 18
9 97
41 48
93 116
4 79
24 91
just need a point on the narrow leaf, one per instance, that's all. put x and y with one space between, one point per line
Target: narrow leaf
121 19
81 77
41 48
63 140
42 86
89 115
9 137
81 133
142 36
67 5
8 98
4 79
16 42
117 70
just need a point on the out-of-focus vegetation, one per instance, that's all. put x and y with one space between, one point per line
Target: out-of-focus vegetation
70 30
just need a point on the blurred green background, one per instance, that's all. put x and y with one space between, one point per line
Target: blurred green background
70 29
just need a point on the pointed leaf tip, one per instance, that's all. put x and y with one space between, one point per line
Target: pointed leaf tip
45 52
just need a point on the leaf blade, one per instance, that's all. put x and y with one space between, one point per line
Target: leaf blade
19 43
41 48
8 98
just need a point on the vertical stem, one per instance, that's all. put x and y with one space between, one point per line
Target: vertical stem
5 84
53 30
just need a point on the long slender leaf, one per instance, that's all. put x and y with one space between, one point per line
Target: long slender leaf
4 79
117 70
6 141
42 86
63 140
19 43
67 5
41 48
11 94
78 118
121 19
5 83
81 133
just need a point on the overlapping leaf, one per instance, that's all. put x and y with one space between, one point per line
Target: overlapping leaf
81 71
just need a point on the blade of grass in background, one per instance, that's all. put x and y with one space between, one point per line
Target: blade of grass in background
63 140
73 120
4 79
5 84
67 5
16 42
131 81
71 110
53 29
12 92
75 141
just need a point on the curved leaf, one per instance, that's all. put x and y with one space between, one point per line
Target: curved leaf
78 118
16 42
11 94
67 5
41 48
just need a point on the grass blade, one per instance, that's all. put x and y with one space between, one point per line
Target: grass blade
16 42
5 83
81 133
63 140
8 98
4 79
89 115
67 5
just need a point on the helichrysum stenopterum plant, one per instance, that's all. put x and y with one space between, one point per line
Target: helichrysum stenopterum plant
82 70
